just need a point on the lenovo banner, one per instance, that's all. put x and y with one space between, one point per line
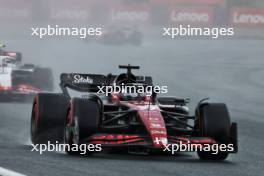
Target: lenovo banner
247 17
77 11
191 15
132 13
193 2
15 10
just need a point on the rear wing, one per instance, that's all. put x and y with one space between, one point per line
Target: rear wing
82 82
93 82
16 55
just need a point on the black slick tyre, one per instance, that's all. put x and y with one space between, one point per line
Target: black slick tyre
214 121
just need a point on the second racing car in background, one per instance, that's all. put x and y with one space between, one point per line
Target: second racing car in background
120 35
123 35
20 81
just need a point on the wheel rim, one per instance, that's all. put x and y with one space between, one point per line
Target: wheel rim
67 137
76 131
72 130
68 131
33 123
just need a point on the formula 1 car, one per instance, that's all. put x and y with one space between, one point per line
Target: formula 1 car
21 81
134 121
121 36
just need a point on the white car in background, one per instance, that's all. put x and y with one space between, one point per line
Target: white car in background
21 81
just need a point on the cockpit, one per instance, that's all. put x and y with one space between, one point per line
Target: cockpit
131 87
128 77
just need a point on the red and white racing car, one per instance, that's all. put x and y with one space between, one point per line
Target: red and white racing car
20 81
138 122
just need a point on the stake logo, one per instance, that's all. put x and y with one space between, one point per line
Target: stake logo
79 79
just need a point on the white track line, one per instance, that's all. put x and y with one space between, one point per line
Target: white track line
6 172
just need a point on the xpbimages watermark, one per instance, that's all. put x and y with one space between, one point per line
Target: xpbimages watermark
133 89
194 147
189 31
56 30
57 147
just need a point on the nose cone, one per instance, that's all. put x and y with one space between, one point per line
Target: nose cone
154 123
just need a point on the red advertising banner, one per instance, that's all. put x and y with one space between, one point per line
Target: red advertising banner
247 17
130 13
192 15
207 2
77 10
15 10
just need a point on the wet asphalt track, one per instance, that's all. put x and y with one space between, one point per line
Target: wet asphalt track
227 71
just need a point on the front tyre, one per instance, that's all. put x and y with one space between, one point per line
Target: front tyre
213 121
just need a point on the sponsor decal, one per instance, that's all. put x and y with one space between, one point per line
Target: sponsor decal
148 108
247 17
161 140
155 125
78 79
154 119
157 132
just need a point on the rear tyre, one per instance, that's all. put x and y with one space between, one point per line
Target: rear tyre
48 118
82 121
213 121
